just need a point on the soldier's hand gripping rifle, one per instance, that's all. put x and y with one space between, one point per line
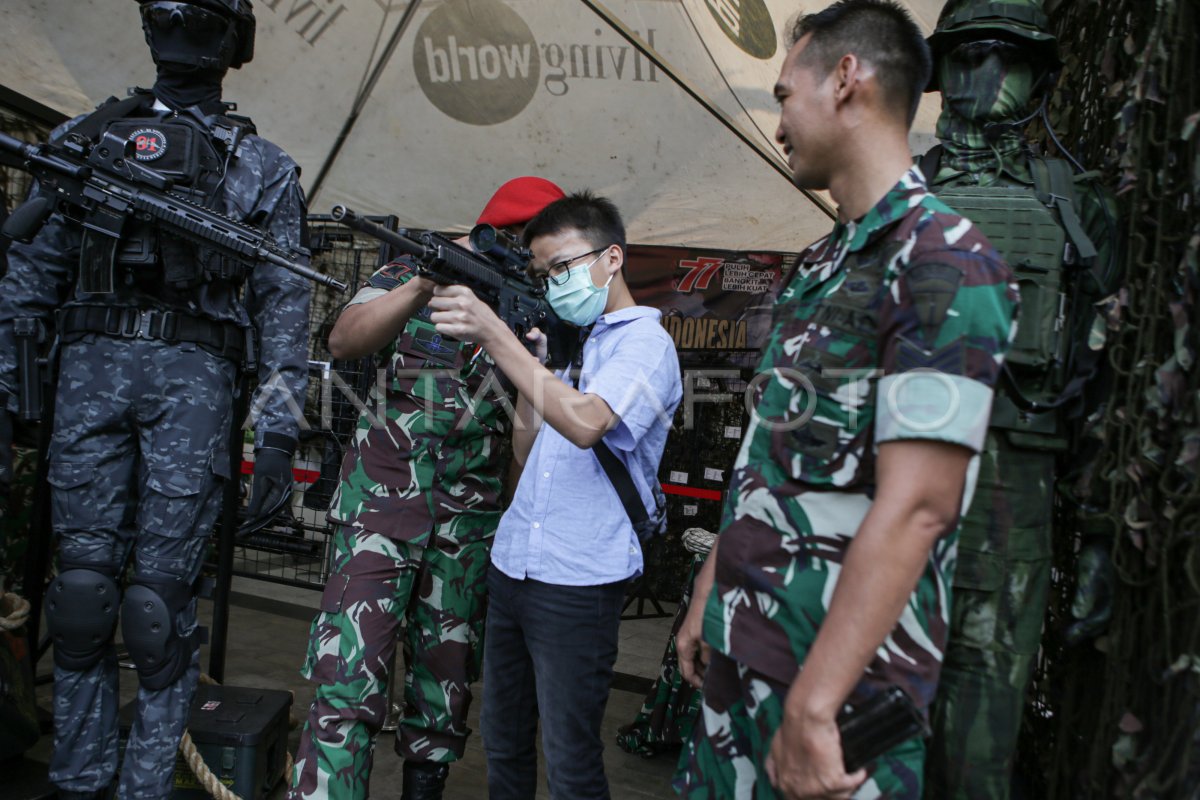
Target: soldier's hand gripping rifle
496 274
102 186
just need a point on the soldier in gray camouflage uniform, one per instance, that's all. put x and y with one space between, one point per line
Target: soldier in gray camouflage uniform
414 513
145 389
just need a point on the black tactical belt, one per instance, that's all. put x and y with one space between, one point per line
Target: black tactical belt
223 339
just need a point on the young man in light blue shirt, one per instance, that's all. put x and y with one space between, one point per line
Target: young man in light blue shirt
565 548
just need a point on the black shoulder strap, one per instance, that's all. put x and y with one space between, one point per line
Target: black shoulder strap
91 126
622 481
930 163
239 121
1055 188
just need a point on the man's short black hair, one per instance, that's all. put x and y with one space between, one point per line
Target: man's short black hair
879 32
595 217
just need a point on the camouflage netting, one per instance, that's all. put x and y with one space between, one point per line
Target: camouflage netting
1119 716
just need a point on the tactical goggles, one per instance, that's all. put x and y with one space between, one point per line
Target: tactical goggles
197 25
976 51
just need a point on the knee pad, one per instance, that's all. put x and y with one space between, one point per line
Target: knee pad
81 616
156 647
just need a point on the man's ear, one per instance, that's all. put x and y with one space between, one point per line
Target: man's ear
613 259
847 75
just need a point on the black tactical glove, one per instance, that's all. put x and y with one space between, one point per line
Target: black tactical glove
1091 607
272 486
6 457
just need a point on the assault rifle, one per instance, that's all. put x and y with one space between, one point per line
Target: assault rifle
102 186
496 274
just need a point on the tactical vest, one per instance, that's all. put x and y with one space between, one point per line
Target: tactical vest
1038 231
195 153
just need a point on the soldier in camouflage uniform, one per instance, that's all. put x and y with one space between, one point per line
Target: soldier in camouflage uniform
992 61
414 513
838 538
145 389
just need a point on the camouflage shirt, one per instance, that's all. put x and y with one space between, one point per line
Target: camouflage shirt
430 447
892 327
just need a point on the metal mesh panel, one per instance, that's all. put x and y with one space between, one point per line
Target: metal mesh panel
294 549
15 182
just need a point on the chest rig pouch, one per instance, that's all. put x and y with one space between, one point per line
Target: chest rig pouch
1038 233
1028 236
194 154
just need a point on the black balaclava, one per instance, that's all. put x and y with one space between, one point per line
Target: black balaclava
184 87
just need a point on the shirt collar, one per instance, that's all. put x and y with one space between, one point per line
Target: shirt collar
852 236
623 315
900 199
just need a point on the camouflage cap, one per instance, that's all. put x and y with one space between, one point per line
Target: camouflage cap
1022 22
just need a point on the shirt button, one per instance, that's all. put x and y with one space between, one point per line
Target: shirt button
545 474
537 524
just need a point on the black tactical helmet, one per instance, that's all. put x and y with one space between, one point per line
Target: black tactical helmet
1021 22
205 34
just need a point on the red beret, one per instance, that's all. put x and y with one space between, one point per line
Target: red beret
519 201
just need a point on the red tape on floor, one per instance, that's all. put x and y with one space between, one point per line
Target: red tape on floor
688 491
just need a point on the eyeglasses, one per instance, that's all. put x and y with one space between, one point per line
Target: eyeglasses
559 271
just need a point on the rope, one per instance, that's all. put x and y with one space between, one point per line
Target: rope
204 775
14 611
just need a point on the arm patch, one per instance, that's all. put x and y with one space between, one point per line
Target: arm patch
951 359
390 276
932 288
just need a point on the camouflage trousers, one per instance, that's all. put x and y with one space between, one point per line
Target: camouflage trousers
999 597
726 756
670 708
136 463
439 593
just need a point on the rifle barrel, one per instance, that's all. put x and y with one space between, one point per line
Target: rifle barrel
32 154
352 219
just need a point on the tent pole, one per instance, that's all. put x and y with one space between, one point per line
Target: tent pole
650 53
361 101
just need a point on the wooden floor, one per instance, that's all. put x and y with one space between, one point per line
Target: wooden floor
268 635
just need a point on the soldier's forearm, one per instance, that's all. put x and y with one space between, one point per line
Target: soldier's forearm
365 328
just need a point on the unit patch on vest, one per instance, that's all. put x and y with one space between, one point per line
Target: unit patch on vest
434 347
173 146
149 144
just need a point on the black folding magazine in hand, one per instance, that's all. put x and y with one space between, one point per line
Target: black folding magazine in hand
877 725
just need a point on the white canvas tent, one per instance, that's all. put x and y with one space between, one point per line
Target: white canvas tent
422 107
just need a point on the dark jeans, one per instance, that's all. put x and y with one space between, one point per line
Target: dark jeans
551 649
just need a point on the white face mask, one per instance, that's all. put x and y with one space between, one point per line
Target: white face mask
578 300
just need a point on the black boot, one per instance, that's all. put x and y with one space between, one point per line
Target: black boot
424 780
100 794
